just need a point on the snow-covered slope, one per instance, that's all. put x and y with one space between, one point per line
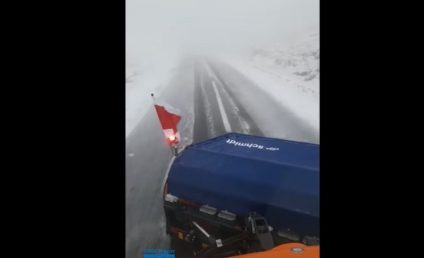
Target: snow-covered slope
289 73
301 60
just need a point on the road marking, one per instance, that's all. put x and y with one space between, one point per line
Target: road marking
221 109
243 123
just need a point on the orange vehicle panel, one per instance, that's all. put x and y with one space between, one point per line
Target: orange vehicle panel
292 250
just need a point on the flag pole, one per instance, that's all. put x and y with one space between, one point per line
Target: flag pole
172 146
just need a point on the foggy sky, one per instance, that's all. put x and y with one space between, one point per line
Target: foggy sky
164 27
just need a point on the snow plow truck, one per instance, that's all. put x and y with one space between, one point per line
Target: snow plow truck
245 196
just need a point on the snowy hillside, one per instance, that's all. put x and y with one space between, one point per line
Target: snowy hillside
301 60
289 73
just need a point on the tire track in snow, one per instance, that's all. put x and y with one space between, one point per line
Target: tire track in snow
241 120
221 109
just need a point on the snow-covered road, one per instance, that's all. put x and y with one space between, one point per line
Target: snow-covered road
213 98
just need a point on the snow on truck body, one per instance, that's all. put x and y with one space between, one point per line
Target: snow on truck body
235 174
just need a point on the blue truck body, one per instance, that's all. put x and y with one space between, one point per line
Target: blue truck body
276 178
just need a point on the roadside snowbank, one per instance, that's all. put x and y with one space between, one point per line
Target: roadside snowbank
143 78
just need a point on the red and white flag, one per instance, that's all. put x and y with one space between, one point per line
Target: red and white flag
169 122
